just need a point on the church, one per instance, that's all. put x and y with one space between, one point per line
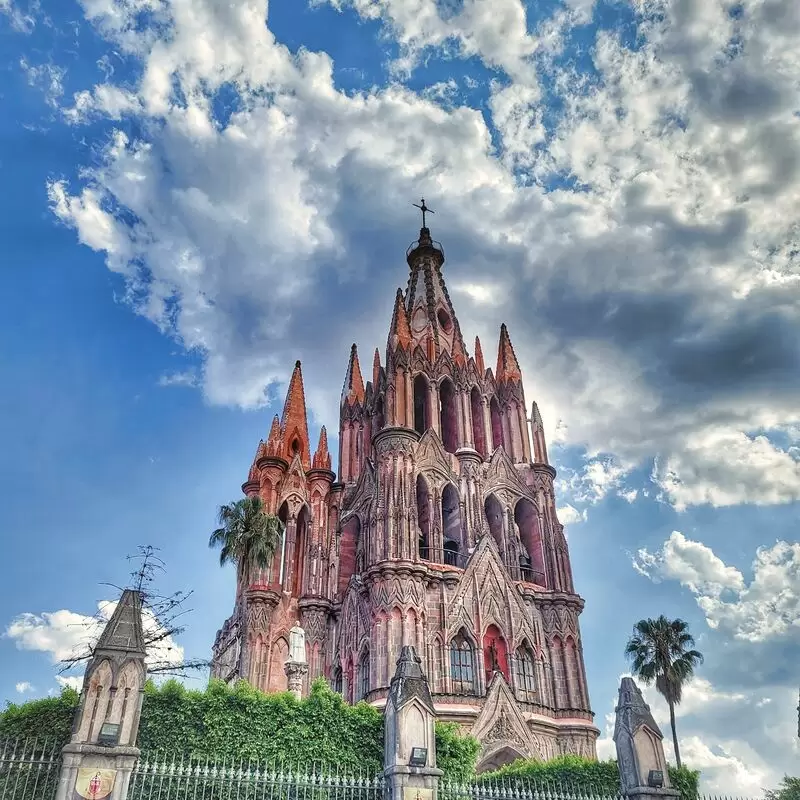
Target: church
438 530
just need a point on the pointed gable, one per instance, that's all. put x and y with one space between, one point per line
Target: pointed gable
486 585
431 455
502 474
500 724
294 422
507 364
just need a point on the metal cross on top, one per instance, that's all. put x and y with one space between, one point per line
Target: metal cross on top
424 209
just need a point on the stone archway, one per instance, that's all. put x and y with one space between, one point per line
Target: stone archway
498 757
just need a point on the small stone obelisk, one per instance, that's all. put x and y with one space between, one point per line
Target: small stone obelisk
640 748
296 665
102 751
410 744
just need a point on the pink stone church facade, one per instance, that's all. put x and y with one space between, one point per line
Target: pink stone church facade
439 531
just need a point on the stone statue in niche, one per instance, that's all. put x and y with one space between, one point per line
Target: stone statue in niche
297 645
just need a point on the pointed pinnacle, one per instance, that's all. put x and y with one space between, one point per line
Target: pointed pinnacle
274 438
400 326
322 458
479 362
376 369
353 389
536 416
507 364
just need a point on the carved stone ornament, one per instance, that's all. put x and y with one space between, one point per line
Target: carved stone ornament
503 731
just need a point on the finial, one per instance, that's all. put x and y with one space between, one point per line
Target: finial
424 209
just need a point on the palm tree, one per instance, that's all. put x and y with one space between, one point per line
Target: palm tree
248 536
660 651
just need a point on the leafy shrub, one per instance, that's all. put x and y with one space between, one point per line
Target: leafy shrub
579 773
50 717
242 723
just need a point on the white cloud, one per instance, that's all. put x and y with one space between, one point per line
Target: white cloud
70 681
725 467
23 687
766 608
644 264
569 515
66 634
182 378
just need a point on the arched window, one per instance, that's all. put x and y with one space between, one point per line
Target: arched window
448 416
423 518
478 433
421 395
300 549
494 516
337 680
348 546
497 424
279 560
524 670
527 520
378 416
462 666
451 521
363 675
495 653
451 554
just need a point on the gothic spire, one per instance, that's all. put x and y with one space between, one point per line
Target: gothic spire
322 458
294 422
432 320
353 389
507 364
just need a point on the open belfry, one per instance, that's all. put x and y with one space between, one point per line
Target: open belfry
439 532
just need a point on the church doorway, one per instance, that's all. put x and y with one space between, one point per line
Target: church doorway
505 754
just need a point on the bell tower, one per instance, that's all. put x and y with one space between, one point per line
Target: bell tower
439 534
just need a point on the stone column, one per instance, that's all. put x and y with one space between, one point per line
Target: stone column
640 748
410 743
102 752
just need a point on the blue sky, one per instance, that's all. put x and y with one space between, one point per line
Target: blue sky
196 195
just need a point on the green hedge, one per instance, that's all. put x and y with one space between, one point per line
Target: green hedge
573 771
243 723
50 717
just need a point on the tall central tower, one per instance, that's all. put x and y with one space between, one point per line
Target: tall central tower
440 531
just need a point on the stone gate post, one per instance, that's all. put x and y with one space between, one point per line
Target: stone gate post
640 748
410 743
101 755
